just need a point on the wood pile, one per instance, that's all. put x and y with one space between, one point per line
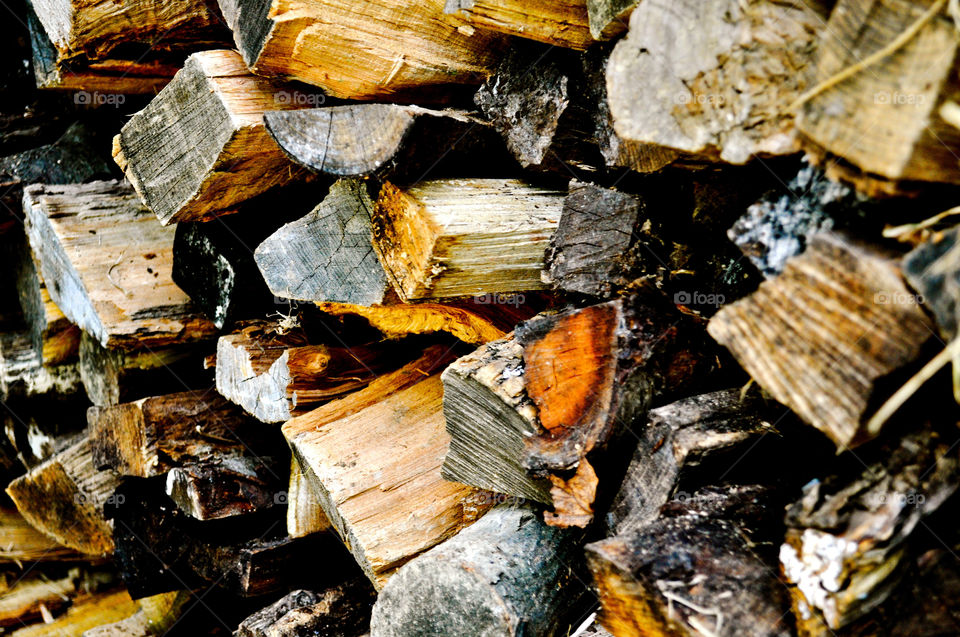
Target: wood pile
480 317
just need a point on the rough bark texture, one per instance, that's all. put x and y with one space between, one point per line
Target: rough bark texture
339 611
509 574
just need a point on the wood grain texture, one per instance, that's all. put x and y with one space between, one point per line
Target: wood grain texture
227 487
515 574
87 612
885 120
304 513
107 264
713 82
375 49
609 18
64 498
342 610
200 147
819 336
23 374
455 237
21 542
563 23
328 255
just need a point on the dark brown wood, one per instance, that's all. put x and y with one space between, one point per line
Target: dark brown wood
339 611
933 270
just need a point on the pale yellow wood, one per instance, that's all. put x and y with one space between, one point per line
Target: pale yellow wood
87 612
21 542
558 22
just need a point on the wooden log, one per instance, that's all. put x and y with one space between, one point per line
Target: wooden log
107 264
33 596
395 52
562 23
304 513
402 142
516 574
693 571
609 18
723 95
822 334
37 432
228 487
371 498
454 237
342 610
23 374
114 376
847 538
690 435
885 124
190 168
275 374
21 542
327 255
157 615
99 37
591 373
64 498
87 611
932 269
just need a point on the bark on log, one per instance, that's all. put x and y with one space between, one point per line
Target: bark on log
516 575
562 23
820 336
339 611
885 124
455 238
723 91
395 52
107 264
64 498
187 168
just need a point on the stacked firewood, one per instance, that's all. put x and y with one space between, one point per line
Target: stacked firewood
480 317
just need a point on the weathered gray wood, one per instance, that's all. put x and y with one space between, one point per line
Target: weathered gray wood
327 255
23 374
507 575
338 611
609 18
933 270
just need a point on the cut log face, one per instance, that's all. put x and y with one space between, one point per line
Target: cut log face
454 237
819 336
887 123
328 255
374 460
563 23
342 610
723 95
395 52
64 498
488 417
304 513
846 539
933 270
275 376
691 572
510 569
107 265
189 168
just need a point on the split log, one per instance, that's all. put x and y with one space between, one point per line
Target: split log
516 575
107 264
693 571
113 376
395 52
64 498
157 615
887 124
820 336
186 168
33 595
403 142
536 101
86 612
276 374
37 432
304 513
847 539
23 374
933 270
342 611
328 255
713 83
454 237
591 374
370 485
103 39
561 23
691 435
609 18
227 487
21 542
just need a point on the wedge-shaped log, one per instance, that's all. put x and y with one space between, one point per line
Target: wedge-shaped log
721 91
304 513
343 609
821 335
456 237
21 542
695 570
64 498
885 121
395 51
847 538
562 23
276 376
107 265
200 147
509 568
374 460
